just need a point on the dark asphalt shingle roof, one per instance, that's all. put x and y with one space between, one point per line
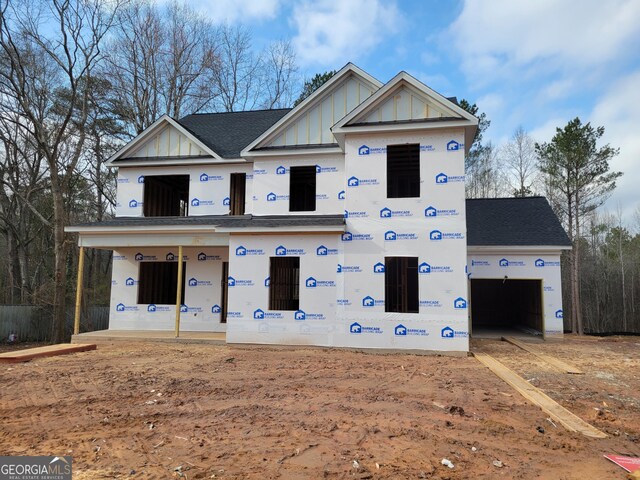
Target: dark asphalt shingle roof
490 222
228 133
513 221
226 221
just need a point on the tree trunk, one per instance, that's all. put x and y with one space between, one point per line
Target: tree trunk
58 334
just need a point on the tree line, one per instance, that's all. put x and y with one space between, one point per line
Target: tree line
78 78
601 273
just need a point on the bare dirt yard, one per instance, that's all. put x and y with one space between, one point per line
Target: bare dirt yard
142 410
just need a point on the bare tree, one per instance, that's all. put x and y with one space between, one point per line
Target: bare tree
161 60
48 46
521 162
132 64
280 75
238 76
484 179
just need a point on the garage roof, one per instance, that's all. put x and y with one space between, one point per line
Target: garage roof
522 221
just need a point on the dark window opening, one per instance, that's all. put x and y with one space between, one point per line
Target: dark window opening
284 283
401 284
237 195
403 171
302 189
158 283
166 195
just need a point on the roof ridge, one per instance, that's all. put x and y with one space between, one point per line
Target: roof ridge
507 198
240 111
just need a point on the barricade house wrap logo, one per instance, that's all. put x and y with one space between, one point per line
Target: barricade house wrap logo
242 251
311 282
272 197
369 301
282 251
349 237
448 332
437 235
359 182
36 468
210 178
426 268
443 178
432 211
323 251
545 263
391 236
199 202
503 262
402 331
453 146
357 329
388 213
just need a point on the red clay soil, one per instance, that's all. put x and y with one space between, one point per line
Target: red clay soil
154 411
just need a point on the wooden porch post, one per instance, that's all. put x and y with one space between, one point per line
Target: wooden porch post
179 291
76 323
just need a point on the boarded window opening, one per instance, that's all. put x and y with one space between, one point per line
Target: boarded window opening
237 195
166 195
403 171
284 283
401 284
158 283
302 189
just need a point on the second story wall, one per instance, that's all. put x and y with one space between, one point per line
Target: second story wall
272 183
206 188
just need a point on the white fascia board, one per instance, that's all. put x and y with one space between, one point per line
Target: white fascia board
181 161
313 98
141 229
406 127
116 242
297 152
155 126
285 229
532 249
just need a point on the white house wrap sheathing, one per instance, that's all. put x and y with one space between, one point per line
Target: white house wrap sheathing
271 185
342 276
514 266
209 188
202 293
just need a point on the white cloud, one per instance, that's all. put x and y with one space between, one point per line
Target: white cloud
236 11
506 37
617 111
331 33
546 131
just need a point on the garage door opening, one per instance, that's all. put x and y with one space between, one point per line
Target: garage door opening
506 306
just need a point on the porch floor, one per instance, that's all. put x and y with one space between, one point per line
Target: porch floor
161 336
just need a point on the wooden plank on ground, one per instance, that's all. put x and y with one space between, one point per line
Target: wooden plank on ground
554 362
556 411
48 351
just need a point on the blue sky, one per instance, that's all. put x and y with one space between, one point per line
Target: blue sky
535 64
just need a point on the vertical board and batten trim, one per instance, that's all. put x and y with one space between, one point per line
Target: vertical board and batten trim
168 142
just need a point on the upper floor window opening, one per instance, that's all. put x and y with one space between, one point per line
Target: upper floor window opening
403 171
166 195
